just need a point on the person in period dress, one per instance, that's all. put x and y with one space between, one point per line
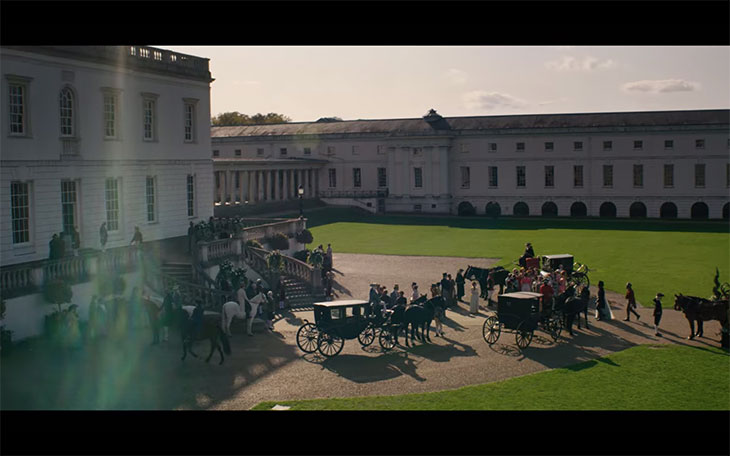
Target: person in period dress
630 303
602 309
103 236
460 281
657 313
474 299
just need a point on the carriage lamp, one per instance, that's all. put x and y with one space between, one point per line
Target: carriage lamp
300 192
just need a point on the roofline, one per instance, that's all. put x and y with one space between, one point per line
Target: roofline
484 117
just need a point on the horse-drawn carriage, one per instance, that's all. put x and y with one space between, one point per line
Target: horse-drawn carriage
337 321
521 312
579 275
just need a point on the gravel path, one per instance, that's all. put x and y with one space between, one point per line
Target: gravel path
269 366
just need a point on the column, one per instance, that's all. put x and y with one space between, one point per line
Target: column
405 172
316 182
286 184
275 185
390 173
241 195
259 186
249 186
229 193
444 152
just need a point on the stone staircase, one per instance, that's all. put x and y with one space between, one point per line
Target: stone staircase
182 272
298 293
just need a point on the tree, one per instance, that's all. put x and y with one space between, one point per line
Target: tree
236 118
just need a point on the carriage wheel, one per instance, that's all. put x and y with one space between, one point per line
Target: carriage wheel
522 337
330 344
582 280
555 327
491 330
367 336
307 338
386 339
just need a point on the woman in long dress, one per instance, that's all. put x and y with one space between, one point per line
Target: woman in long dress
474 302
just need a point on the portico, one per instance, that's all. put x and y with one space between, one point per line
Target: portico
257 181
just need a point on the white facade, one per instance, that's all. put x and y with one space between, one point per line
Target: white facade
125 126
422 160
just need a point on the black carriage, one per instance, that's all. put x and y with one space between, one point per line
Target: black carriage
337 321
577 273
522 313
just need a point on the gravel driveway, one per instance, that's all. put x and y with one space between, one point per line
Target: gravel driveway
269 366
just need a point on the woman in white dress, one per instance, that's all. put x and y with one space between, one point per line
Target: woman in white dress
474 303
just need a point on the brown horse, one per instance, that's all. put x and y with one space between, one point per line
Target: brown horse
699 310
210 329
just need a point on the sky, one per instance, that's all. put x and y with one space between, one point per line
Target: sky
383 82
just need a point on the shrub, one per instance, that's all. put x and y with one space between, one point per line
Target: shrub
254 243
274 261
305 237
57 291
302 255
316 258
279 241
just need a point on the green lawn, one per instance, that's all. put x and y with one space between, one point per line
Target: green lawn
663 377
655 255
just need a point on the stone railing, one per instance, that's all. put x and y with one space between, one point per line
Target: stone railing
354 194
292 267
18 280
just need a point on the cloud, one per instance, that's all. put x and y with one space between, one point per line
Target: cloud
661 86
480 99
589 63
456 76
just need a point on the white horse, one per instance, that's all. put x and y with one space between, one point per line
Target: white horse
233 309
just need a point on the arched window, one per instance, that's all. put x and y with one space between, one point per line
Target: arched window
726 211
521 209
492 209
466 208
637 210
668 210
578 209
608 209
700 211
549 209
67 112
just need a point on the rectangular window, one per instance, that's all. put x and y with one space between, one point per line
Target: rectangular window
150 195
418 152
307 151
417 207
189 122
638 145
17 99
191 195
607 145
111 193
237 152
20 211
549 146
638 176
521 176
282 151
520 146
332 177
418 177
493 177
608 175
259 152
382 177
699 175
355 150
578 145
356 178
216 153
699 143
578 176
668 144
68 205
148 117
111 115
549 176
330 150
492 147
465 177
668 175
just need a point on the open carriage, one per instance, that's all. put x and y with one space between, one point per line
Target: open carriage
337 321
522 313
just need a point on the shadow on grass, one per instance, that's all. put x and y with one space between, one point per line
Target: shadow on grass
335 215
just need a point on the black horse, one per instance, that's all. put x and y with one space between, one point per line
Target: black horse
699 310
572 307
210 328
481 275
418 315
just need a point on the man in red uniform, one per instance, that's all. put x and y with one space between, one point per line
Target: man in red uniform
547 294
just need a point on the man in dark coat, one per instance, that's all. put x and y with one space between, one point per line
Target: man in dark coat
446 288
53 247
460 280
191 237
657 313
103 236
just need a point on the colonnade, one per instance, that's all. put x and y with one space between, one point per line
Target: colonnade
264 185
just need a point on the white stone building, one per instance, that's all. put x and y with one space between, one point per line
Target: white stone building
626 164
92 134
